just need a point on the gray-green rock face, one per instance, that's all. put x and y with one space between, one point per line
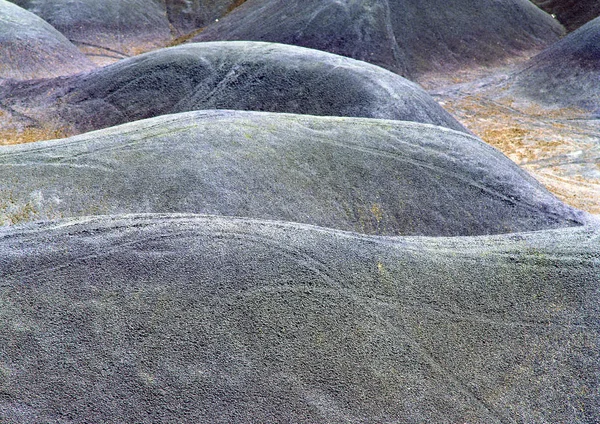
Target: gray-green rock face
567 73
370 176
571 13
208 319
31 48
405 36
107 27
223 75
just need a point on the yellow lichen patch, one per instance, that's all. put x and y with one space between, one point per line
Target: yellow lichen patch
538 111
186 37
510 140
147 378
385 278
10 215
235 4
521 145
377 212
29 135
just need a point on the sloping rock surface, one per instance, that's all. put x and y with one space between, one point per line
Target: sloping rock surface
31 48
223 75
567 73
107 27
370 176
571 13
405 36
207 319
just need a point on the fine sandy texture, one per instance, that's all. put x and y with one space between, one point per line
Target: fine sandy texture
209 319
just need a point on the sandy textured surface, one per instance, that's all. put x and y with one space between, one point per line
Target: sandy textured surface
207 319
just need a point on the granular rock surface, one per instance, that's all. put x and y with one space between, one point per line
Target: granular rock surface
174 318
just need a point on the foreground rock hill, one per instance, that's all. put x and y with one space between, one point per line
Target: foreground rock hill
401 35
106 28
208 319
222 75
31 48
364 175
566 74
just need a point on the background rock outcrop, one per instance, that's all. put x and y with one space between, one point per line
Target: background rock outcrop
31 48
566 74
405 36
571 13
107 29
187 16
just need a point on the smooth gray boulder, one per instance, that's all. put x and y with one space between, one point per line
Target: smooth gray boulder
221 75
107 28
220 320
365 175
31 48
571 13
566 74
404 36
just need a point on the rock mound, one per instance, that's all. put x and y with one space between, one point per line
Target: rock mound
364 175
567 73
207 319
31 48
224 75
107 28
401 35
